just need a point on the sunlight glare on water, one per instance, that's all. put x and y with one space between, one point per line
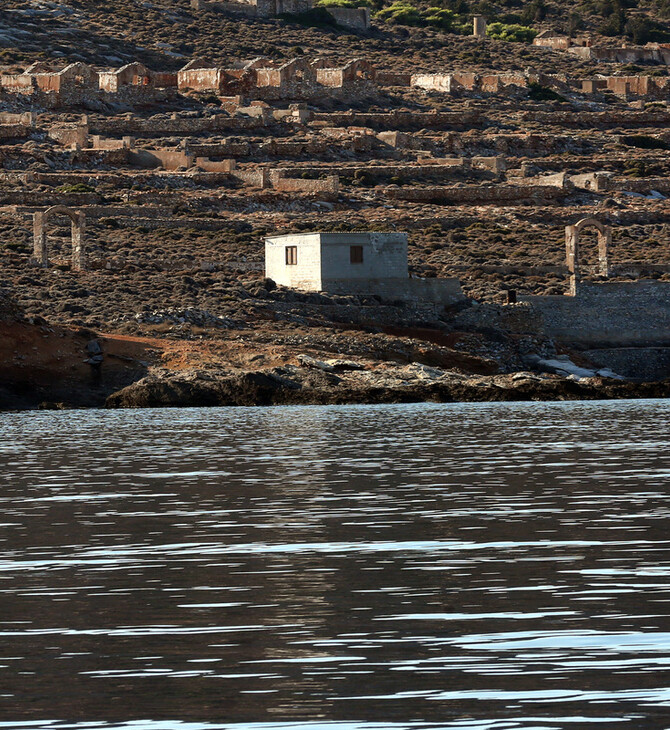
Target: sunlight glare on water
411 567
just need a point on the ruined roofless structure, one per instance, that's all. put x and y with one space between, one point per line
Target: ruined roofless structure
353 263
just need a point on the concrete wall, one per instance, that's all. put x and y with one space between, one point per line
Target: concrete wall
326 256
201 79
384 256
433 82
557 43
21 83
306 274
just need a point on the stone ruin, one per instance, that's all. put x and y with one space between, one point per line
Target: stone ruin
298 79
572 234
583 47
78 221
352 18
479 27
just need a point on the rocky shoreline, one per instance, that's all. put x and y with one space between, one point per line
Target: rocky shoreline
52 366
400 386
306 386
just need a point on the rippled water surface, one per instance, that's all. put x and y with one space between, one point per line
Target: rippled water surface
336 568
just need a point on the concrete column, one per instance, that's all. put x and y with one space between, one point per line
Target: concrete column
78 249
39 240
572 257
479 26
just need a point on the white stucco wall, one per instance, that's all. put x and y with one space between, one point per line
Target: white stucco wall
326 256
324 264
306 274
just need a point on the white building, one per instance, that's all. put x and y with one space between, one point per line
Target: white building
352 263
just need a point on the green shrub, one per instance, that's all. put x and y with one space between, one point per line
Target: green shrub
645 142
439 18
17 246
615 17
643 30
536 10
537 92
76 188
512 33
401 13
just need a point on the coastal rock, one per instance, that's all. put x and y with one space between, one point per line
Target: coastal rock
312 362
563 365
395 385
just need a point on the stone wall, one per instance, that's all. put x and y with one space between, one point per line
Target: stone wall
26 119
167 159
300 78
400 120
327 188
441 292
474 194
207 165
161 127
608 314
636 363
353 18
70 136
14 131
627 54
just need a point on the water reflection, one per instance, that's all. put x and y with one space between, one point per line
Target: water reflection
346 568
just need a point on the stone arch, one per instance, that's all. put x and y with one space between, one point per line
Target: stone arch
78 220
572 234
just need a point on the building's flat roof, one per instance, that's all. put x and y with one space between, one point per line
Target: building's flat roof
338 234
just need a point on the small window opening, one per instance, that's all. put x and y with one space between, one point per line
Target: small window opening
291 255
356 254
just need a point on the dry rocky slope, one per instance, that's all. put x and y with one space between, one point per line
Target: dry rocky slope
173 308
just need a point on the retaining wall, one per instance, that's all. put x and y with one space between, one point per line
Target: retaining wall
608 314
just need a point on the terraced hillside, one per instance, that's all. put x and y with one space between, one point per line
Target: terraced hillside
483 150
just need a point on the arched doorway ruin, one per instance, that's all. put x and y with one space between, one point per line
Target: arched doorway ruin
572 249
78 219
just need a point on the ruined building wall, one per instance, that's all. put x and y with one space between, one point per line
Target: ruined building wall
611 313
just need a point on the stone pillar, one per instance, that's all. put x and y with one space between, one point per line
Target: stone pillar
78 249
604 242
479 26
572 257
40 240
